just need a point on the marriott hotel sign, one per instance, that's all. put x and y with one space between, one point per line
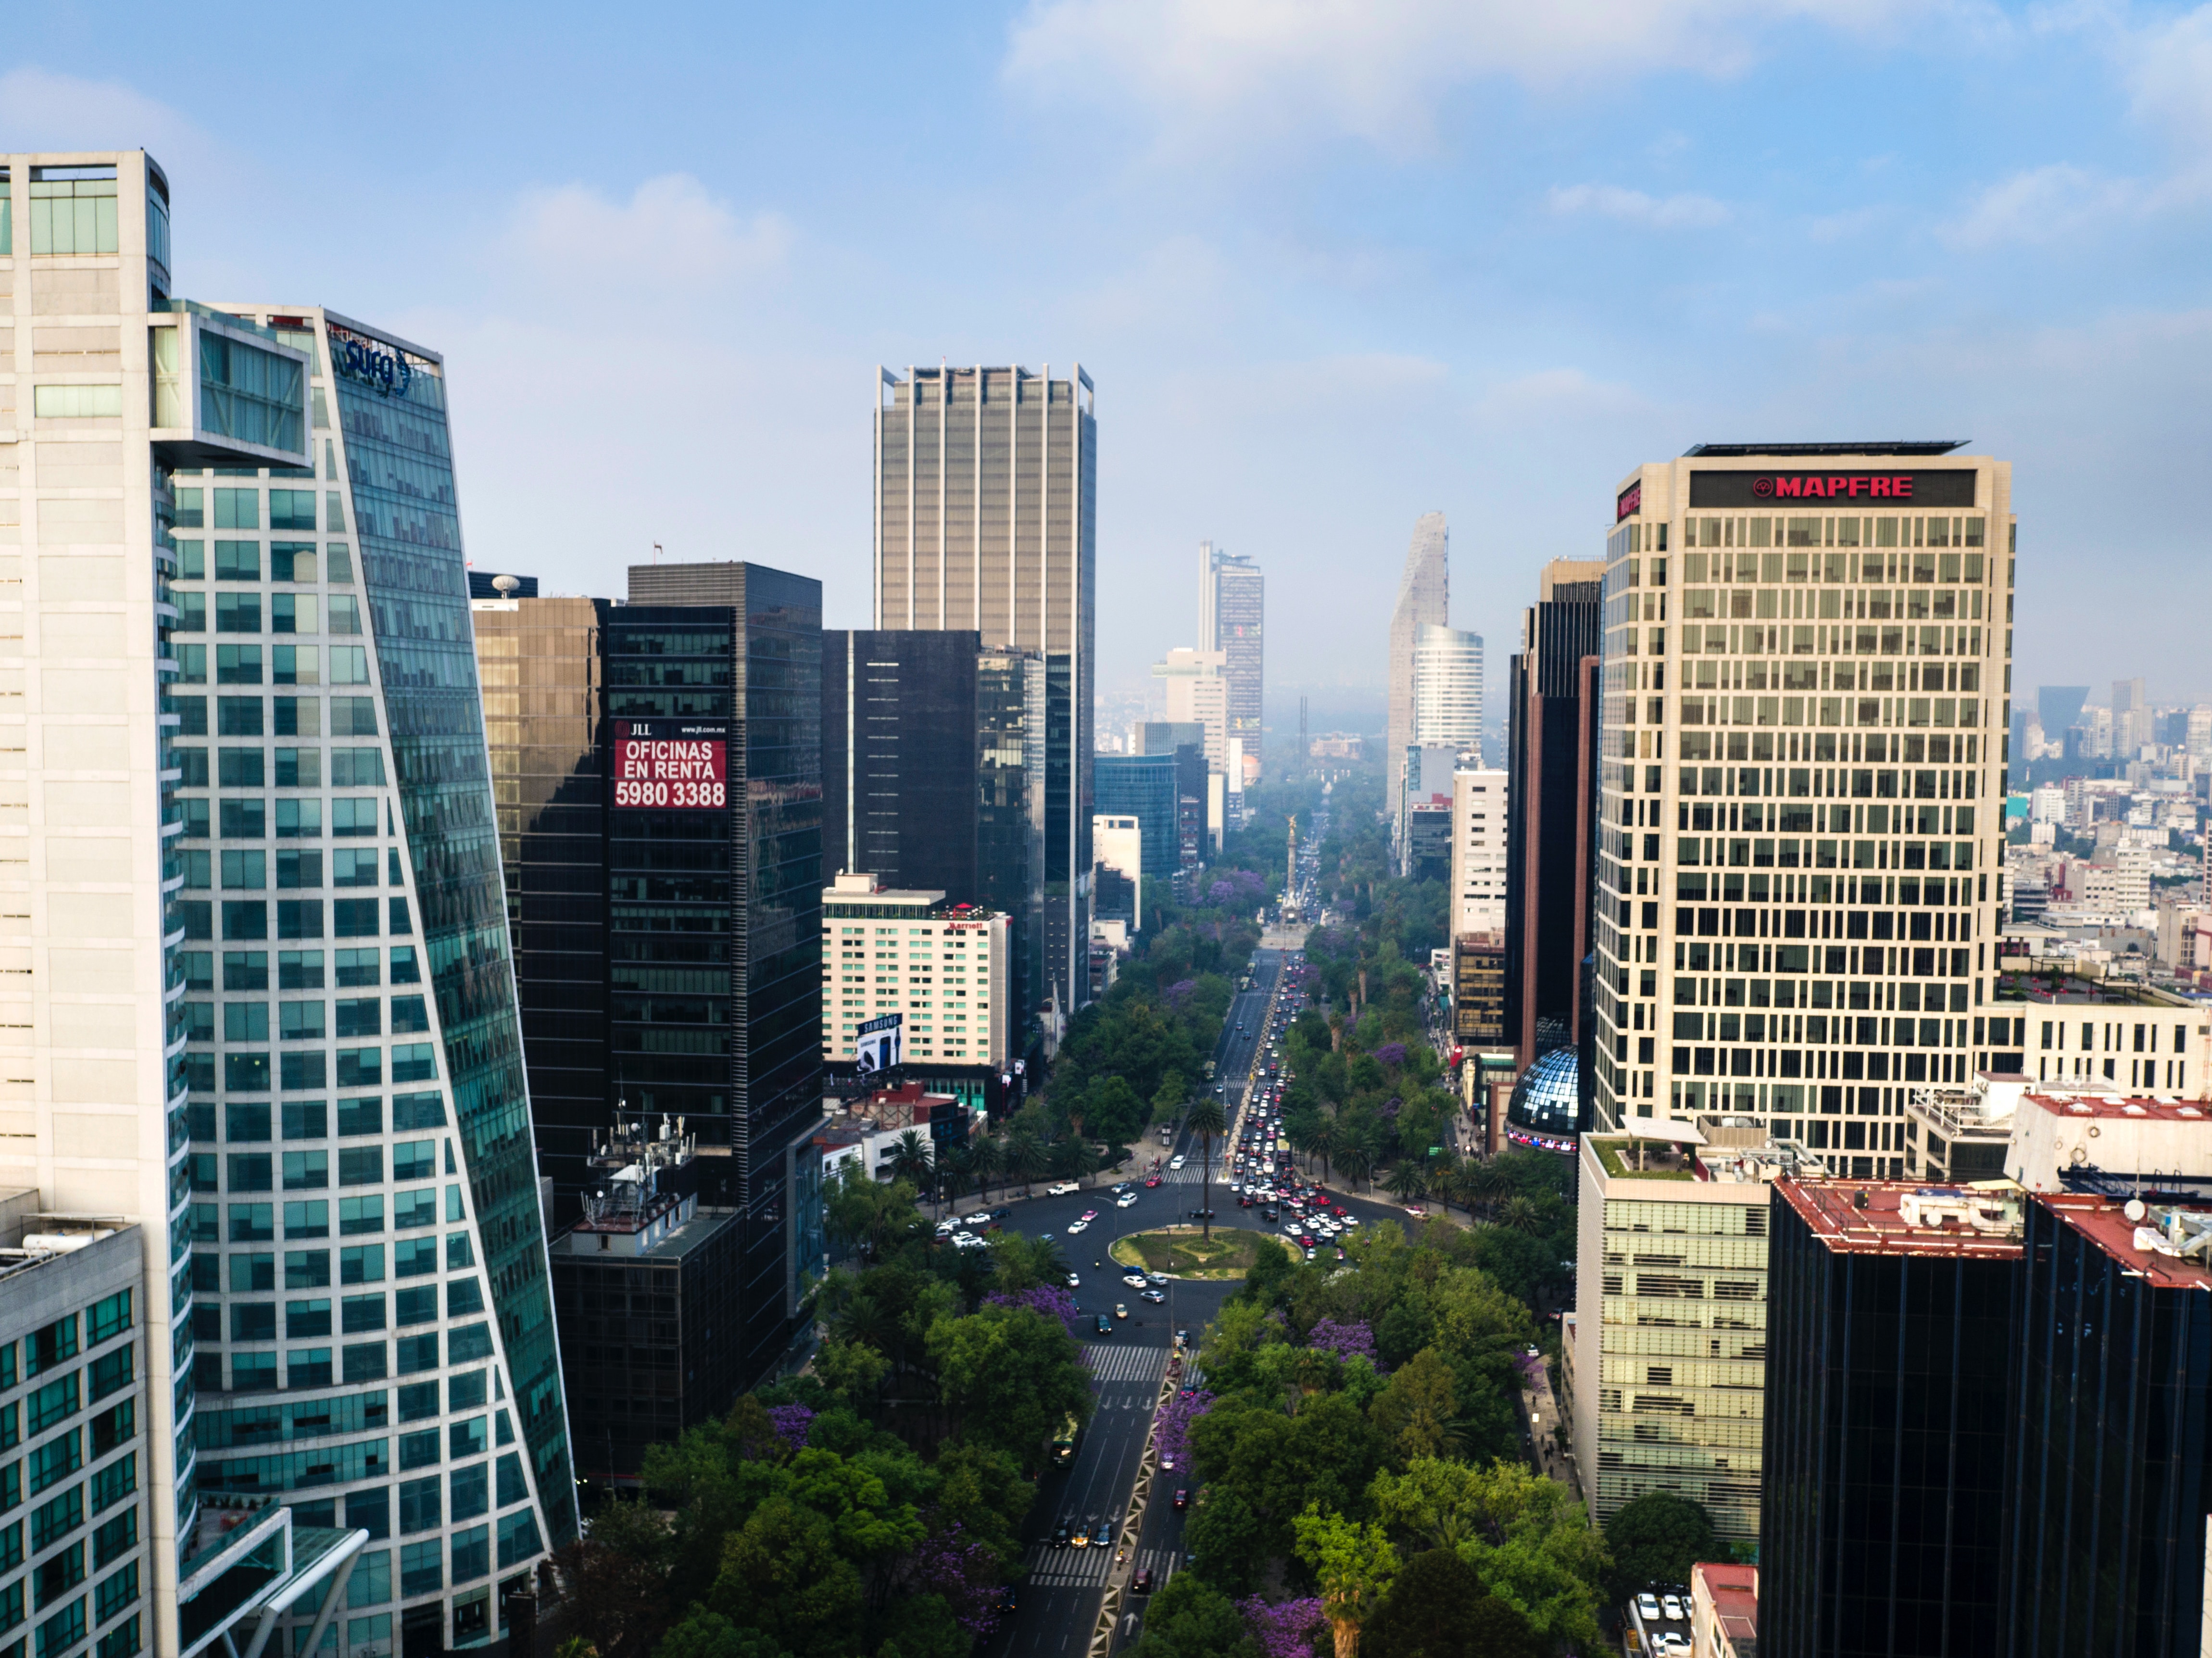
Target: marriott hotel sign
1950 487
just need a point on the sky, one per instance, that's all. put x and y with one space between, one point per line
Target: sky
1331 264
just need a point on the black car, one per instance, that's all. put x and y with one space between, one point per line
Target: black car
1009 1603
1061 1538
1105 1325
1183 1496
1103 1537
1201 1214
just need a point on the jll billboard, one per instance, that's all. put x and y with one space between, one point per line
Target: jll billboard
672 765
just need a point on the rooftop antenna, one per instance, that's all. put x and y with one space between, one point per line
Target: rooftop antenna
656 552
504 585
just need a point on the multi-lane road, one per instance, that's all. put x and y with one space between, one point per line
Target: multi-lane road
1060 1594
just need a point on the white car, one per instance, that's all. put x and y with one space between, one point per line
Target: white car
966 1240
1671 1608
981 1217
1075 1226
1074 1282
1061 1189
1175 1162
1135 1280
1647 1607
1127 1201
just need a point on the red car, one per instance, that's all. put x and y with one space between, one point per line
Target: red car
1152 1181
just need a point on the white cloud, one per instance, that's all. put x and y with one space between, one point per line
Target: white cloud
669 235
42 109
2045 204
1686 212
2170 73
1378 68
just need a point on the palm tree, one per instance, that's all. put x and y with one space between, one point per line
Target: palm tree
1206 1121
910 1159
1520 1214
1356 1161
1324 1141
1025 1158
1073 1158
1409 1181
1466 1184
1490 1184
990 1162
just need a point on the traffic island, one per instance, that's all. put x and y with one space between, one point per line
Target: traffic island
1185 1252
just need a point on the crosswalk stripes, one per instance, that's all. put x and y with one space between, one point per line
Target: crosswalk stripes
1109 1363
1061 1568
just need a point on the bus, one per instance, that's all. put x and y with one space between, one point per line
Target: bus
1063 1442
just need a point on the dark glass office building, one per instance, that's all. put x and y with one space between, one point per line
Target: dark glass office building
539 660
2112 1437
1891 1317
1142 786
1552 750
682 742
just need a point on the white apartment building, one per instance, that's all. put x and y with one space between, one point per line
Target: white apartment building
200 506
1807 652
1478 855
941 969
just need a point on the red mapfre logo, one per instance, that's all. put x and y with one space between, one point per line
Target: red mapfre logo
1630 499
1878 486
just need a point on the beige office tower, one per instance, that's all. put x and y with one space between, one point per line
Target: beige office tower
102 390
986 517
1808 657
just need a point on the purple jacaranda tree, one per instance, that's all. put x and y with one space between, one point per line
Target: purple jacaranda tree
791 1423
1049 1299
1284 1629
1354 1340
1173 1437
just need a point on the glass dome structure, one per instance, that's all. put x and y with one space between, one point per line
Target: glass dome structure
1543 1111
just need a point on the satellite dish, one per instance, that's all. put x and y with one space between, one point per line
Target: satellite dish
2135 1210
505 585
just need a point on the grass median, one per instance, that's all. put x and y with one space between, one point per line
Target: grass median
1183 1252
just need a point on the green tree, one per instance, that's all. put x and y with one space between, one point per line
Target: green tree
705 1634
1656 1538
1168 1101
616 1578
1191 1619
1438 1608
1524 1535
1353 1564
1008 1377
1419 1407
1206 1120
1116 1111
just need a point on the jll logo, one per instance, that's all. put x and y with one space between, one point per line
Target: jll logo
1877 486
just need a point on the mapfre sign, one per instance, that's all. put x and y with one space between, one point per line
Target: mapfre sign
1950 487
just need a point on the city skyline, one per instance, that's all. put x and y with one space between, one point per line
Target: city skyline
1471 326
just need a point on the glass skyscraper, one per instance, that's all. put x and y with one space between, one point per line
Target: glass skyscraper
369 1262
1232 603
255 996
